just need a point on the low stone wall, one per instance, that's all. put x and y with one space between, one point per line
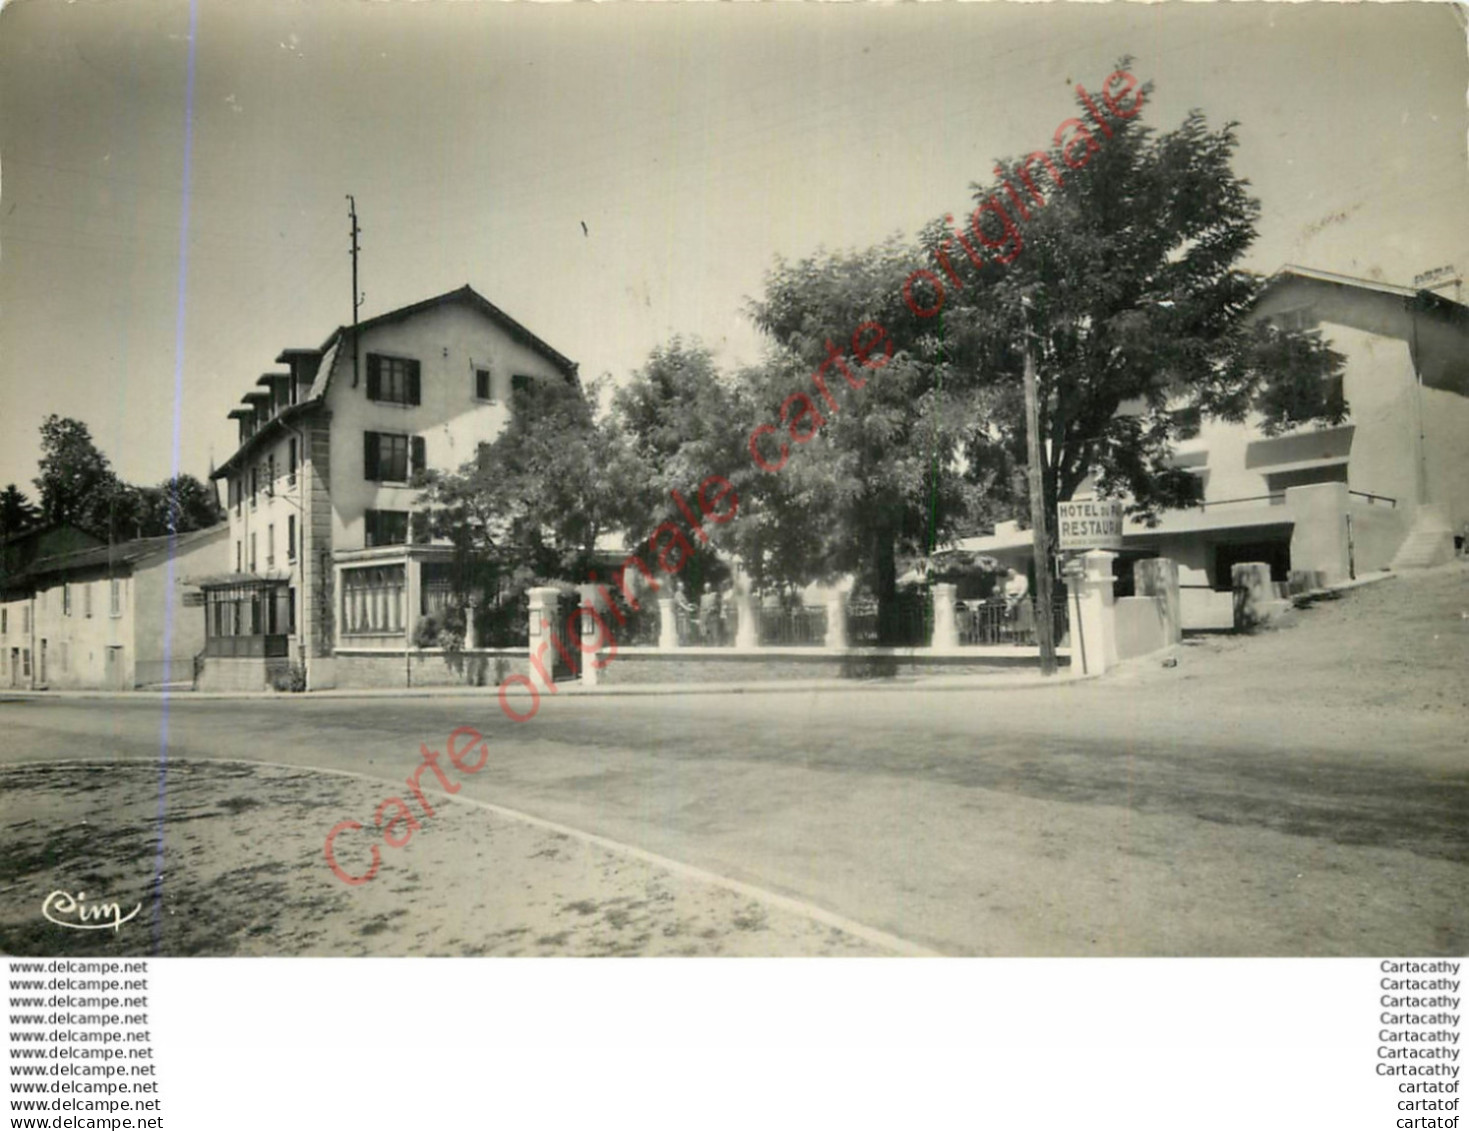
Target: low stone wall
231 674
1143 626
481 667
726 665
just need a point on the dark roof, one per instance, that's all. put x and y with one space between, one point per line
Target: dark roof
476 300
122 553
465 294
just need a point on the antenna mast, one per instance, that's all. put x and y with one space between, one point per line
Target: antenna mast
357 296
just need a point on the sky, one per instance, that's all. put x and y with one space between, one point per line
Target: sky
163 238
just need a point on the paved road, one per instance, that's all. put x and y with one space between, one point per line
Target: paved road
1079 820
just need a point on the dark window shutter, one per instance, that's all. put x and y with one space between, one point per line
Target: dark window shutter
369 519
374 377
369 455
482 384
413 397
420 456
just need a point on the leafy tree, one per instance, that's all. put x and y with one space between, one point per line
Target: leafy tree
538 497
681 422
76 481
17 513
177 506
877 480
1125 278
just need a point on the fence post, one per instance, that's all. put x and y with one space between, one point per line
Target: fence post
542 623
667 623
1094 638
945 623
1255 603
747 633
1158 577
587 627
836 619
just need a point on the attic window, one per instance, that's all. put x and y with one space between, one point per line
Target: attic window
1296 320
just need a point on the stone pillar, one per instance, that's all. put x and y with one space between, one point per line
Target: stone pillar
471 633
412 597
543 609
836 619
1158 577
747 632
1255 603
589 602
1091 597
945 623
667 623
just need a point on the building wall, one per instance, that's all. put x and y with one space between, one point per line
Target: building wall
14 634
77 644
449 342
164 628
1446 428
268 519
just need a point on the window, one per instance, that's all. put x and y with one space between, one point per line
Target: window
386 456
87 598
484 387
254 484
372 600
290 537
295 461
237 491
392 379
270 546
114 597
252 553
25 659
4 622
386 528
519 383
1301 318
66 599
270 474
239 562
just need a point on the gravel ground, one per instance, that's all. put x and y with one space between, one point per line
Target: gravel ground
248 877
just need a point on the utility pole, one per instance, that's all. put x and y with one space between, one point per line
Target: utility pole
1044 617
356 295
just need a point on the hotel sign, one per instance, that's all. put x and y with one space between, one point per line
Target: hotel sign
1089 524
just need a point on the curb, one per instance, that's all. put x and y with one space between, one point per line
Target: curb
574 690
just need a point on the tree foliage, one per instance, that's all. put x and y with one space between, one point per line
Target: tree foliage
77 485
538 497
1125 279
17 513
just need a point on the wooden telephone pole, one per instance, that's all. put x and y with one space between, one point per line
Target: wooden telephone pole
1044 616
356 294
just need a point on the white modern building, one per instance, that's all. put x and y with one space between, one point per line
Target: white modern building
1386 489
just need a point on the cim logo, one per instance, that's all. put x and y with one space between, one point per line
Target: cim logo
72 912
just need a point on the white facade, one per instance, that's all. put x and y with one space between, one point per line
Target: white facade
1338 501
325 550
